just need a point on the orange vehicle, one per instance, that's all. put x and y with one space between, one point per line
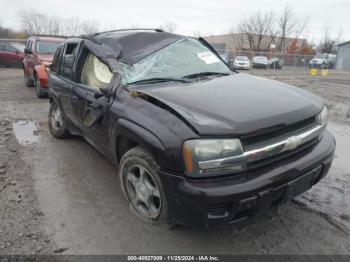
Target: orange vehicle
39 52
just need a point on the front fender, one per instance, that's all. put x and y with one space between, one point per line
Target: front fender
25 66
138 134
41 75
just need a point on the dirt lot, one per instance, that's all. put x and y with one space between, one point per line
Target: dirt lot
63 197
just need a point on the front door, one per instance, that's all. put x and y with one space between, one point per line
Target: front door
88 103
92 113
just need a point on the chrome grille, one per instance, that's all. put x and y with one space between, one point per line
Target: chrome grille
285 144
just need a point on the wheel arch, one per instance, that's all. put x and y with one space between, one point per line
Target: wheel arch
128 134
41 74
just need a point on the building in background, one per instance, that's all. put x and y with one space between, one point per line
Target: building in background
343 56
231 44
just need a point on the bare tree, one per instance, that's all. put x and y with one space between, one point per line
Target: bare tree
36 23
236 41
259 31
285 25
33 22
328 43
71 26
53 26
289 25
262 24
246 28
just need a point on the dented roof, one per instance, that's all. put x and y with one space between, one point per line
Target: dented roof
128 47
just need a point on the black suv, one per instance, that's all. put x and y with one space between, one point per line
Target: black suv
195 143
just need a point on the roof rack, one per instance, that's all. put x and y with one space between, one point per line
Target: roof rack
131 29
12 40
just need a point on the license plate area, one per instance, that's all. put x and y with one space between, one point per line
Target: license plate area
301 184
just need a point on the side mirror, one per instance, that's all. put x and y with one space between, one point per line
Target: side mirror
46 66
27 51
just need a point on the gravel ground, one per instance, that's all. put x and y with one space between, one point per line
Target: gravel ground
63 197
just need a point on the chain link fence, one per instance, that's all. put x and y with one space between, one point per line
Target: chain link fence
292 60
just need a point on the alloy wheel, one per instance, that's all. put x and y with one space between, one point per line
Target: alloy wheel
56 118
143 192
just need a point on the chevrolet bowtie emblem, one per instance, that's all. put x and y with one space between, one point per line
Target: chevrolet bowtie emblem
293 142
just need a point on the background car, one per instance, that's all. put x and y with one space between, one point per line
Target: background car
241 62
260 62
332 59
275 63
38 50
11 54
323 61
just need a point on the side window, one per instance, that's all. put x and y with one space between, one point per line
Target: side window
68 59
29 44
2 47
56 60
95 74
9 48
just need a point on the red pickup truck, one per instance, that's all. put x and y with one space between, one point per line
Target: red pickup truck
39 51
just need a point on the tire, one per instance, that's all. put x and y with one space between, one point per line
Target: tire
39 92
27 81
142 187
57 124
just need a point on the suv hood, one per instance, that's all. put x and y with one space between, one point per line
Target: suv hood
317 60
46 57
237 104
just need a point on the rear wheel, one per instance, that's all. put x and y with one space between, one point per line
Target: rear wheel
27 81
57 124
39 92
142 187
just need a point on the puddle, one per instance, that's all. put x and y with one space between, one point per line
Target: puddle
26 132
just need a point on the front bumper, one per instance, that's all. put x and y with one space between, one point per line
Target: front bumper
241 66
201 203
259 66
316 65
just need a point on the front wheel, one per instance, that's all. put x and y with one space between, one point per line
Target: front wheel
57 124
27 81
39 91
142 187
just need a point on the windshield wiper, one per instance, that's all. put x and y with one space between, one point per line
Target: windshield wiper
206 74
158 80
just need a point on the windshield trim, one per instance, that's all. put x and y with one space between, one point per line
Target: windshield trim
226 69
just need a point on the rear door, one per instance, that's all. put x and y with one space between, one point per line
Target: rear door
3 57
66 79
92 110
30 58
12 56
55 83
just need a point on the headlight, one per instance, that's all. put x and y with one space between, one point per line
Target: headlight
207 156
321 118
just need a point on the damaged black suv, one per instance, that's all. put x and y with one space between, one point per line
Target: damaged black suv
195 143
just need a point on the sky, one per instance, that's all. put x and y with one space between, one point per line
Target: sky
190 16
